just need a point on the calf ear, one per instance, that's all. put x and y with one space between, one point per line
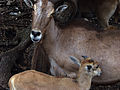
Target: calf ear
86 57
75 60
50 9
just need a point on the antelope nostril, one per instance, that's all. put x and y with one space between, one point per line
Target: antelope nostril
32 32
36 33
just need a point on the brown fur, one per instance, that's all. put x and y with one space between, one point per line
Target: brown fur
33 80
80 39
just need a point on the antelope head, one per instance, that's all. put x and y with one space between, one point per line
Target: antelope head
41 18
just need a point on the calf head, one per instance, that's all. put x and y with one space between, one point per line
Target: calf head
90 67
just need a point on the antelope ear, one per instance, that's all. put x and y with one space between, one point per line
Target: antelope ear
50 9
75 60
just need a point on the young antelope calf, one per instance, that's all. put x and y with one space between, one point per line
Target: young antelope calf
33 80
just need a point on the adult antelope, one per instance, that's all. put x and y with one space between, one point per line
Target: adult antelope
76 39
33 80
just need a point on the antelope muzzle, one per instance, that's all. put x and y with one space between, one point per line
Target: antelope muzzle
35 35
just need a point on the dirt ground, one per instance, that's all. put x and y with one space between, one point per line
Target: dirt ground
14 18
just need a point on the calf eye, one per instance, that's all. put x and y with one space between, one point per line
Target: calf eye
89 67
97 66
